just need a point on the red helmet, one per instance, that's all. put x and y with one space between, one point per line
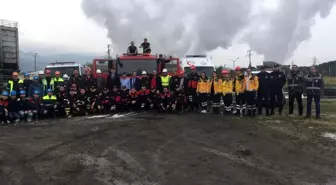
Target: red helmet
181 72
47 71
224 71
237 68
193 67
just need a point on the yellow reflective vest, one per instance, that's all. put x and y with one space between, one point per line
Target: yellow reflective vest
165 81
203 86
227 86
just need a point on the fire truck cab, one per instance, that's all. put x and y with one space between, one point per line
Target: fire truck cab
65 68
135 63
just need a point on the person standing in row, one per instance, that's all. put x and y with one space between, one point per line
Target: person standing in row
216 87
252 85
193 78
263 91
314 84
227 90
278 81
239 89
295 89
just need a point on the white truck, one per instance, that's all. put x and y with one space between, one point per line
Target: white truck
65 68
201 62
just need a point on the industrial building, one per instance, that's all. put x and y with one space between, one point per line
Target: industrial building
9 49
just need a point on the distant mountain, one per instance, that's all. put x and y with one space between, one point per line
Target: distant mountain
27 59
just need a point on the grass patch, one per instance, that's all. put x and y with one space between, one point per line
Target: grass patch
329 81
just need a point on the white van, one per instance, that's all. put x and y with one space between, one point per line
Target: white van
65 68
201 62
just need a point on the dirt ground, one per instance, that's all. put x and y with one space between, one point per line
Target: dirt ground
193 149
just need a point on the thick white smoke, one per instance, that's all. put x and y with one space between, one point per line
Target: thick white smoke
187 26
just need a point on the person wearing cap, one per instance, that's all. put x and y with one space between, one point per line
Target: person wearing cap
35 86
203 91
41 76
100 81
193 79
3 107
263 91
58 81
132 50
314 89
278 81
124 81
24 107
15 83
295 82
48 81
26 82
35 103
145 81
145 46
135 81
49 102
239 86
252 85
227 90
165 79
155 81
13 107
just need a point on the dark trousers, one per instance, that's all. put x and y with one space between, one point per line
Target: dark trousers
215 102
227 99
192 99
263 101
298 96
203 99
277 100
250 102
317 99
240 103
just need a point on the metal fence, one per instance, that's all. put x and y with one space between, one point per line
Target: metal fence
8 23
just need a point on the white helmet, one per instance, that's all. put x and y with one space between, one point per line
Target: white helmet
41 72
98 71
164 71
144 72
65 76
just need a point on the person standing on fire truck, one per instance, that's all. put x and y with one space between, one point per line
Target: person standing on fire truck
132 50
193 79
145 46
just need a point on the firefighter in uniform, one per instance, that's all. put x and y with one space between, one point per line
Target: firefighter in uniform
278 81
216 90
203 91
48 81
263 91
193 78
15 83
239 86
295 81
49 102
314 90
165 79
227 90
252 85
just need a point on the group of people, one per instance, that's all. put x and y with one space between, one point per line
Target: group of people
242 94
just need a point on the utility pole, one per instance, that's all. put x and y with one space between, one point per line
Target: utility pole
314 61
35 55
249 54
109 51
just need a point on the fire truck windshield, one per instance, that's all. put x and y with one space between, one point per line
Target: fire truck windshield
63 70
128 66
207 70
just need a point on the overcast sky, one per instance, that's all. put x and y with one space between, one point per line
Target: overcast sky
50 26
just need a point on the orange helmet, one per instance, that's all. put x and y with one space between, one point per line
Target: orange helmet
224 71
15 74
57 73
237 68
181 72
193 67
47 71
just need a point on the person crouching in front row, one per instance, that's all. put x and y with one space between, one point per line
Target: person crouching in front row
36 102
144 98
179 101
165 100
134 100
115 99
49 102
25 111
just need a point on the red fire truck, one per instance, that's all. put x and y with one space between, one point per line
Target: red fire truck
138 63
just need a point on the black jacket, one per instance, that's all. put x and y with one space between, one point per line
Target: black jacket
264 82
295 82
112 81
278 81
136 84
